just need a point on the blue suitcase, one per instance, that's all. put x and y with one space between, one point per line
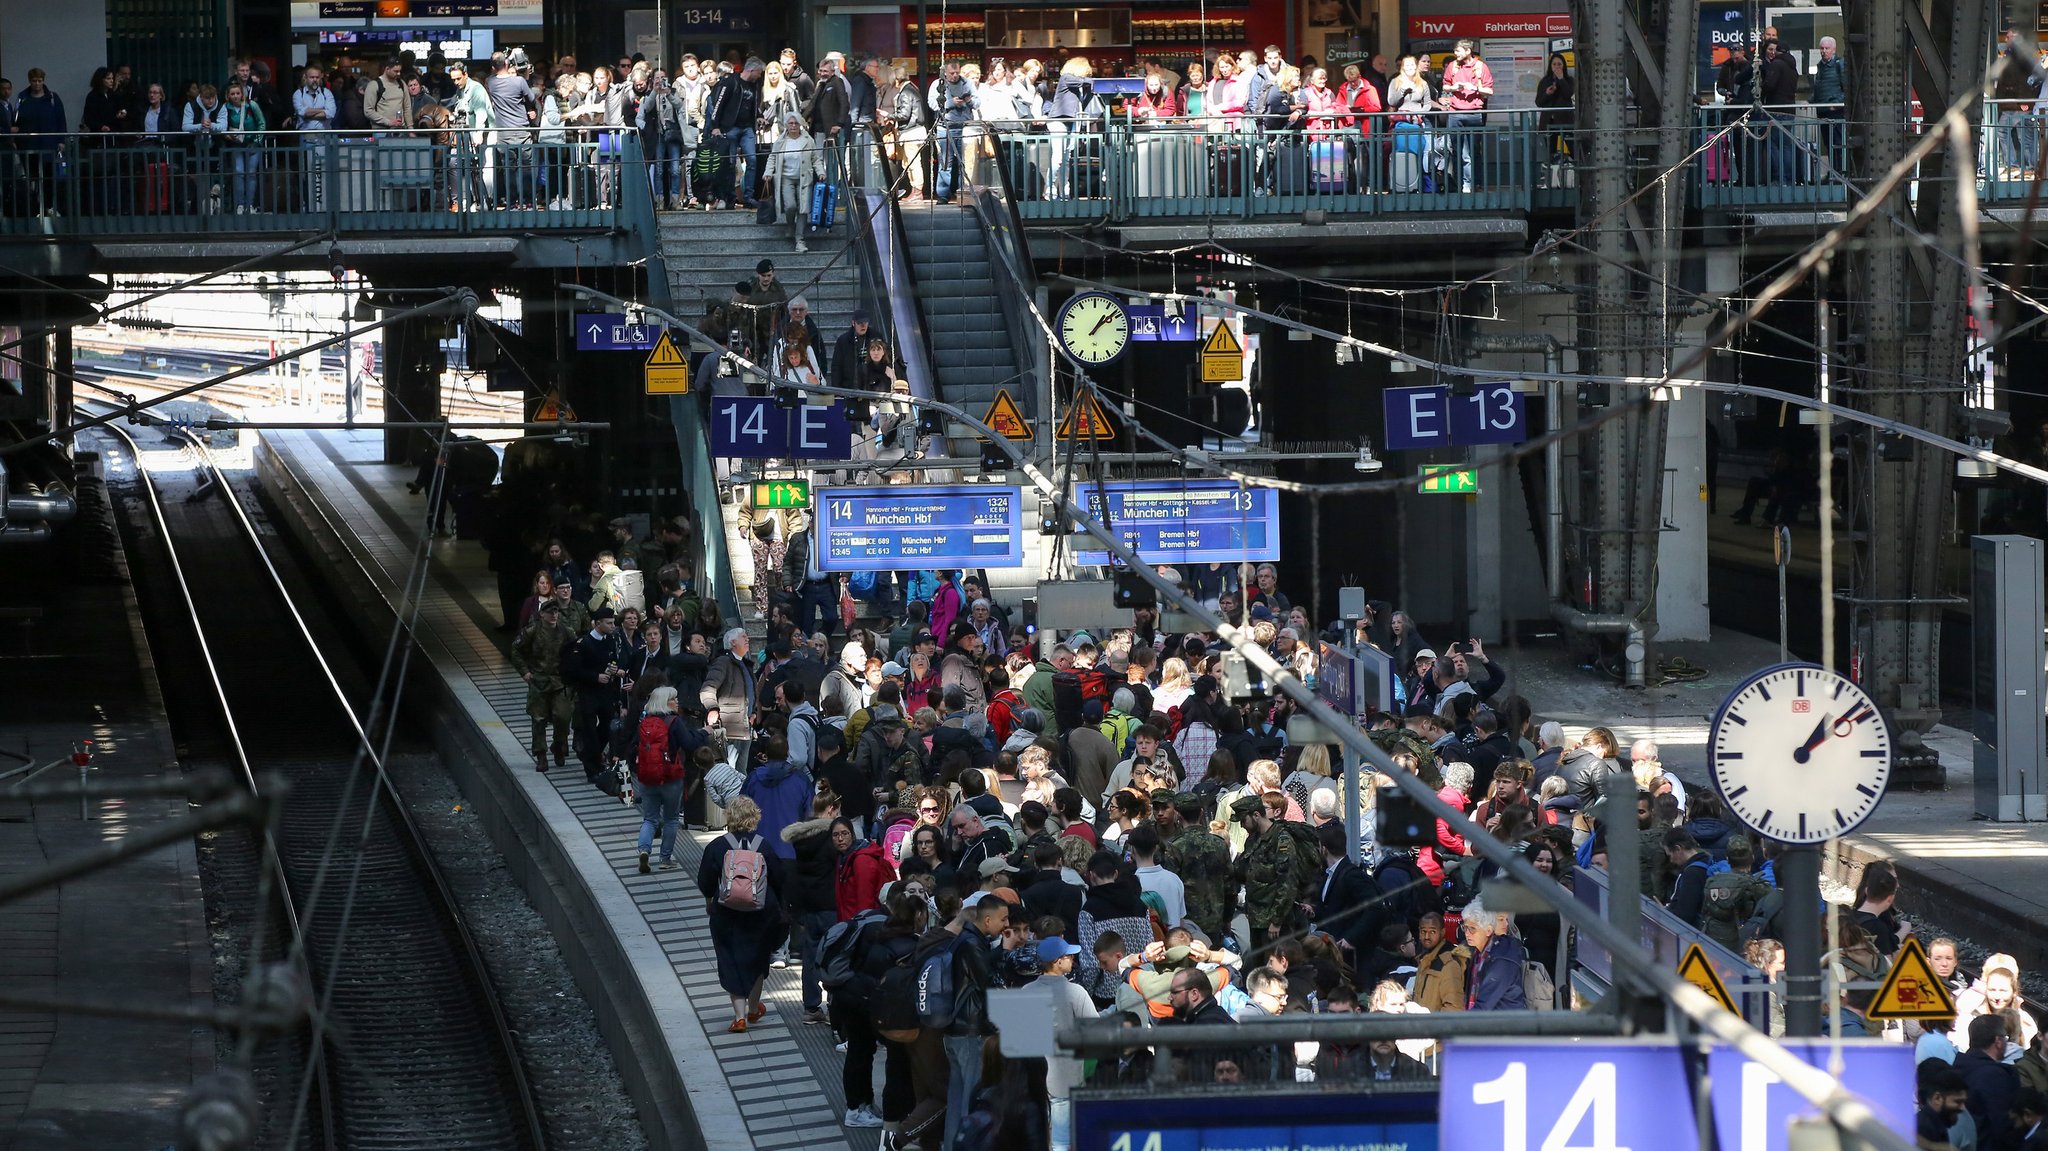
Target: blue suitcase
824 204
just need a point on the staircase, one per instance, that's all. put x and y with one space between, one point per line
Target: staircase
972 354
706 253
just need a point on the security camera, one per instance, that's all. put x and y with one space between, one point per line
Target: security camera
1366 461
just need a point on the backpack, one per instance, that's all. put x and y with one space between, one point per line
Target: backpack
1311 878
1001 822
1731 898
743 880
894 1003
841 948
1422 895
935 989
653 763
1537 986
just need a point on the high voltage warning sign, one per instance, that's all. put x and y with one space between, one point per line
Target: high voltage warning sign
1222 356
1007 418
667 373
1087 420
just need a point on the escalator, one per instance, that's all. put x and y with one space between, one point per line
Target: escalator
959 288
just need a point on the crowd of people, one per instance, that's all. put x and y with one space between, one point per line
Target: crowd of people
758 133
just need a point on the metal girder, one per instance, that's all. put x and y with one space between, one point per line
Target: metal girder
1613 511
1905 323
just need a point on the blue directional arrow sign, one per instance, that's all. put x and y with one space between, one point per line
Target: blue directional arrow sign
1178 326
609 332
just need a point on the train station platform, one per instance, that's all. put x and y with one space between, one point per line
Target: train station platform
639 945
74 666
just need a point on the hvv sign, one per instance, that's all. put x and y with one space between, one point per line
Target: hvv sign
1480 26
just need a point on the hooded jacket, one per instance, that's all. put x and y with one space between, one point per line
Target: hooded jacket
1109 907
859 879
784 795
812 882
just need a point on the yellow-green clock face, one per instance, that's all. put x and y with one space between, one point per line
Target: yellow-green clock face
1095 328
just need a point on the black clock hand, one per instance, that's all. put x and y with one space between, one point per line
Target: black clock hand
1098 324
1819 736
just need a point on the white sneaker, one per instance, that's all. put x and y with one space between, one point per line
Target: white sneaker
863 1116
780 959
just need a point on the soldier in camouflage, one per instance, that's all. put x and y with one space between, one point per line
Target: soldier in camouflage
575 616
1202 860
537 657
1270 867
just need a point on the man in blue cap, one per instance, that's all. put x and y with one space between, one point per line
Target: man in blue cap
1069 1003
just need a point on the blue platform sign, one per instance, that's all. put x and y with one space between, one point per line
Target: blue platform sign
1424 418
1188 521
757 428
609 332
1267 1122
1525 1094
1491 414
896 529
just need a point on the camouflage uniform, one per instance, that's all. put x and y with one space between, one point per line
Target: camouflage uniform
537 656
1204 869
1270 869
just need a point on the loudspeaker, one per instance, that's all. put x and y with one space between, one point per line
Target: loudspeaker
1132 592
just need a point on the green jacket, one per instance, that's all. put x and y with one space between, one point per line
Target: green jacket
1038 689
538 652
1271 870
1204 869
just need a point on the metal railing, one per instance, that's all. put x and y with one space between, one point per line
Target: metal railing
1667 937
1160 168
442 180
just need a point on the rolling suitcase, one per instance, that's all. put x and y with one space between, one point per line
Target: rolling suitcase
156 187
1328 164
1290 168
1229 163
1404 163
824 204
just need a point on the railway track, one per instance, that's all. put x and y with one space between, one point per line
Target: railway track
409 1045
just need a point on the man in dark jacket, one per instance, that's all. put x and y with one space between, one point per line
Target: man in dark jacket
1991 1082
848 351
1689 889
977 842
1778 90
1348 906
730 109
1050 893
1193 997
810 893
986 919
590 667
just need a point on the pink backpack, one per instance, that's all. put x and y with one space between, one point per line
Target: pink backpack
743 882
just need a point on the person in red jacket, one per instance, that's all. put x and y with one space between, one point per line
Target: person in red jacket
863 870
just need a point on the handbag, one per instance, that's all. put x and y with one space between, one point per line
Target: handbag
765 214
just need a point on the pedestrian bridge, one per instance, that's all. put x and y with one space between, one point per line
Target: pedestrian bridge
77 204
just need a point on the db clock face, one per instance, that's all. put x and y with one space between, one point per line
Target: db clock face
1094 328
1800 753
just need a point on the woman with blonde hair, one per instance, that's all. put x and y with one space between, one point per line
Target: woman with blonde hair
901 111
1068 113
1311 774
743 937
1175 685
779 101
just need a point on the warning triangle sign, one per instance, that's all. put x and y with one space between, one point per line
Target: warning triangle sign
1912 990
1087 420
1007 418
1222 341
1696 970
665 353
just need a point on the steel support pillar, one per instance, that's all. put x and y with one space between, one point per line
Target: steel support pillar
1614 510
1904 351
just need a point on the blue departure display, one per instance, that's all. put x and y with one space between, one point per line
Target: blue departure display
897 529
1188 521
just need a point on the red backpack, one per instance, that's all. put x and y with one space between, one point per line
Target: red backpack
654 765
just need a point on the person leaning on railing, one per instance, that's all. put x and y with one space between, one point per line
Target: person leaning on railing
242 128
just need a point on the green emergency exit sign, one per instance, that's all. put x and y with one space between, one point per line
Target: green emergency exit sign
773 494
1449 481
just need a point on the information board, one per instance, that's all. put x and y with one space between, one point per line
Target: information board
1188 521
1561 1093
897 529
1359 1118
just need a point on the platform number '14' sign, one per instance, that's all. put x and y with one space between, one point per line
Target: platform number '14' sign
1530 1096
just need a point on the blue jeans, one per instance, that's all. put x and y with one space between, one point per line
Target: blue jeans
246 163
1778 149
2023 149
516 176
734 145
665 175
661 805
1464 127
1060 1122
951 140
815 924
963 1060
